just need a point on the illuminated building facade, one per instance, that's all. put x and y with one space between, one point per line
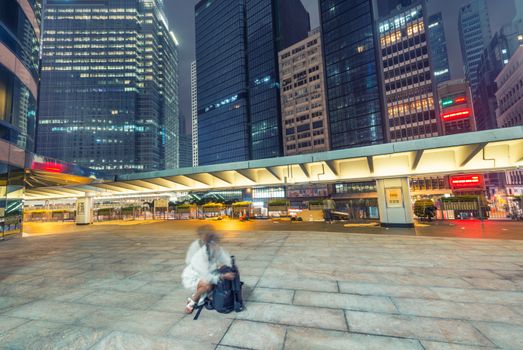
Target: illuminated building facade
438 48
351 73
237 45
110 85
303 102
408 75
456 107
194 114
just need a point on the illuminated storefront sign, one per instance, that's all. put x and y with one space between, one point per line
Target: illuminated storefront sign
466 182
447 102
455 115
51 167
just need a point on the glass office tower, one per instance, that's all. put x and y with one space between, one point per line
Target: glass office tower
19 45
237 44
438 48
109 85
351 66
272 25
474 36
222 94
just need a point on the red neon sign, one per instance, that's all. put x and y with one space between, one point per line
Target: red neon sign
466 181
460 100
49 166
455 115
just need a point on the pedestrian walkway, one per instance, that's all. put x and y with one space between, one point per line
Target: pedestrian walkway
109 286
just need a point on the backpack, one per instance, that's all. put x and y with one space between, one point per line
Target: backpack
226 295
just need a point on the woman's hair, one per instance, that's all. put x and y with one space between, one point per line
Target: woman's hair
208 235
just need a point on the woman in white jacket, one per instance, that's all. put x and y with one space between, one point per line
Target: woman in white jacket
204 257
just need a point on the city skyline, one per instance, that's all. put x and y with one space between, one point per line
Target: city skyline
181 16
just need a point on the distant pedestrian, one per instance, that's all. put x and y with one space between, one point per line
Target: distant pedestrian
328 206
204 258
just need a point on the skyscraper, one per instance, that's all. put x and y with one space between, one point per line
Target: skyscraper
272 25
351 71
185 149
304 110
237 46
223 96
109 85
438 48
19 44
194 115
410 90
474 36
496 55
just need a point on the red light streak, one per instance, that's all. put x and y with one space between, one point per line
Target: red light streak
460 100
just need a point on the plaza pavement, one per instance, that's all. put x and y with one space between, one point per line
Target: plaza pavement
118 287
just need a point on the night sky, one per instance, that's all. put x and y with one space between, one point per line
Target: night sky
181 18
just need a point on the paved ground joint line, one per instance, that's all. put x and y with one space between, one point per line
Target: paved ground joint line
284 339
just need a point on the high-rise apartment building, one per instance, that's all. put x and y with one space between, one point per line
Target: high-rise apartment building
194 114
496 55
351 72
407 75
456 107
438 48
109 85
474 36
303 102
237 45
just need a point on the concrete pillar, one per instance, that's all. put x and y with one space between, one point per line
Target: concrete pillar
84 210
394 202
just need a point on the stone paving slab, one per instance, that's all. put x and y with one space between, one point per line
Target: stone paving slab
272 295
449 331
463 311
45 310
344 301
431 345
303 338
210 327
503 335
118 287
48 335
386 290
7 323
131 341
148 322
294 315
255 335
